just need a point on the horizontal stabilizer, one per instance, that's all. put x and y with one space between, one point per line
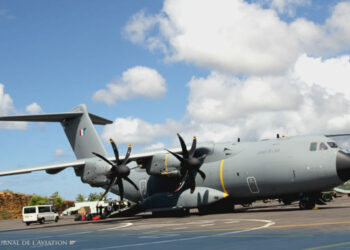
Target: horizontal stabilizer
55 117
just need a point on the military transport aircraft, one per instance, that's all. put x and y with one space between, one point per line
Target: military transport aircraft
207 176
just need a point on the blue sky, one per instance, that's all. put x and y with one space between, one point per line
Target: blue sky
224 75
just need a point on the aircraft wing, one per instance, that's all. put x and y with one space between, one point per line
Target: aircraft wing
56 167
145 155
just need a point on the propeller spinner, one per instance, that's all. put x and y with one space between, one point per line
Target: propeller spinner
189 163
118 172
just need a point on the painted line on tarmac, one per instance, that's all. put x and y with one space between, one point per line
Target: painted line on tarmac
266 225
114 228
311 225
329 246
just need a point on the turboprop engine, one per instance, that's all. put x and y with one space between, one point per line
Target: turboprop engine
164 164
95 173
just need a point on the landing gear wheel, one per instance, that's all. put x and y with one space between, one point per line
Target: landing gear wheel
42 221
56 219
306 204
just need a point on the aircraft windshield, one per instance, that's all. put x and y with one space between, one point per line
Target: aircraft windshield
332 144
323 146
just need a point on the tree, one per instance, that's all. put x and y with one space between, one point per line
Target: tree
80 198
58 201
93 197
38 200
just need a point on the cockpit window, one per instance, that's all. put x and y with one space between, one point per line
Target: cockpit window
323 146
332 144
313 146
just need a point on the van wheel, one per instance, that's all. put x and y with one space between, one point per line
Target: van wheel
56 219
27 223
42 221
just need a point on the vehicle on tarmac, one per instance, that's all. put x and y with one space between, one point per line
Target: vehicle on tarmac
39 214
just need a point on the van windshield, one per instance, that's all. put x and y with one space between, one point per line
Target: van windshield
29 210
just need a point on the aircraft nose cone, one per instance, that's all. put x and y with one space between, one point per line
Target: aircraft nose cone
343 166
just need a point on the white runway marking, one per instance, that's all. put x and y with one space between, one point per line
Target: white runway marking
114 228
267 224
207 225
230 222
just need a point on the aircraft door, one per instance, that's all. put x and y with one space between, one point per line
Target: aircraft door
252 185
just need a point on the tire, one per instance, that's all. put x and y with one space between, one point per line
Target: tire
306 204
42 221
56 219
27 223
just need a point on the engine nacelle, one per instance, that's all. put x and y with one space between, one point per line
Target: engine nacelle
162 164
95 172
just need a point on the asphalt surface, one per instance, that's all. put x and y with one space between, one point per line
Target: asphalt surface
265 226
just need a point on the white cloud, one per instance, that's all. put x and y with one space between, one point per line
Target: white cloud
6 107
59 152
137 131
34 108
284 6
332 74
223 107
238 37
136 81
155 146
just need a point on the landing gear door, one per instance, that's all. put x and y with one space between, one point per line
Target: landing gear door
252 185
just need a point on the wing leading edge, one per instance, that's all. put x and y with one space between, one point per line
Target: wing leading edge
56 167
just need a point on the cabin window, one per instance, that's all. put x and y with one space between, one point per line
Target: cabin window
332 144
323 146
313 146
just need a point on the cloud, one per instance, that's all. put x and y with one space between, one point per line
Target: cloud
332 74
59 152
34 108
222 107
6 108
137 131
238 37
155 146
284 6
136 81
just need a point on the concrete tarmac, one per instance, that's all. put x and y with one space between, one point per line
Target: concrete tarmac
264 226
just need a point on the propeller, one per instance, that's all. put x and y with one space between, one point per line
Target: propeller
189 163
118 172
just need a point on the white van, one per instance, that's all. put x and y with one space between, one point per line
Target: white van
39 214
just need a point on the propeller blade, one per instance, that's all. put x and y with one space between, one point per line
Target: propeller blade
104 158
108 188
202 174
121 188
192 181
127 155
176 155
131 182
193 147
183 147
115 150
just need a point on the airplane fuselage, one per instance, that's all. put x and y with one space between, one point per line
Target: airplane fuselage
255 170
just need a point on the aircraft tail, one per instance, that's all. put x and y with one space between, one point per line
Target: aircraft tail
78 126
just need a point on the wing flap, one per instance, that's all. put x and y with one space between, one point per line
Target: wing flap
56 167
